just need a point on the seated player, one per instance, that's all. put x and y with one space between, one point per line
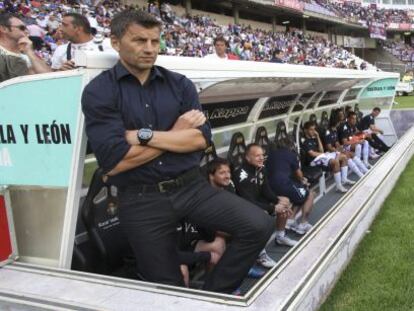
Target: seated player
286 179
252 184
354 140
312 148
367 125
219 177
331 144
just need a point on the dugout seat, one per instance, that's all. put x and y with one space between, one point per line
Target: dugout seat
236 152
262 139
100 216
209 155
323 124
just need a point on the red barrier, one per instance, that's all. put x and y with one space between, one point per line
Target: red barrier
5 237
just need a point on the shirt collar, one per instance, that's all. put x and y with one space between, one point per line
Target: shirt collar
121 72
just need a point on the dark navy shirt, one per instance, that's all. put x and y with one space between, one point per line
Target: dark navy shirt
331 137
115 101
345 131
281 165
366 122
309 144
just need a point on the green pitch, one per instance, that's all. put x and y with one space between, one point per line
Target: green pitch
381 273
404 102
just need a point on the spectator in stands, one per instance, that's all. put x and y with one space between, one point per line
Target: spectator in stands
220 49
286 179
312 148
353 140
331 144
367 125
155 163
17 57
277 56
252 184
77 30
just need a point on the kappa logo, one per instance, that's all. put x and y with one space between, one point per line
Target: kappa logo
327 132
345 127
243 175
302 192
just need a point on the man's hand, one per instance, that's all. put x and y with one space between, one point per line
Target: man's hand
68 65
25 45
189 120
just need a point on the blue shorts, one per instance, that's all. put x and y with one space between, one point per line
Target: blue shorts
295 191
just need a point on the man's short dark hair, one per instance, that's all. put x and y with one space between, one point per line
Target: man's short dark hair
277 52
309 124
377 109
351 114
252 145
214 165
123 20
5 19
220 39
80 21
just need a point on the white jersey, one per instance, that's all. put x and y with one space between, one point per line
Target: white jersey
60 55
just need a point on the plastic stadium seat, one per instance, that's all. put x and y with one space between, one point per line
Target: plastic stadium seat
359 114
281 131
237 150
209 155
100 216
313 118
324 123
262 139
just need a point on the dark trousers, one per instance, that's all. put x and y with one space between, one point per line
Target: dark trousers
377 143
150 220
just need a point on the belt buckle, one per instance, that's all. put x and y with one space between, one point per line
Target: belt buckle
165 186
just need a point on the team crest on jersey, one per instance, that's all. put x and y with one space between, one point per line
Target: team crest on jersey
345 127
327 132
302 139
243 175
302 192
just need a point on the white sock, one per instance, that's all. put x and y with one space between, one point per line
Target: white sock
344 173
365 152
354 168
337 177
360 165
358 149
280 234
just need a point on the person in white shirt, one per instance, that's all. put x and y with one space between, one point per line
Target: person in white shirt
220 47
77 30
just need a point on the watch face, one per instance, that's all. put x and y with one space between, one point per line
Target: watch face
145 134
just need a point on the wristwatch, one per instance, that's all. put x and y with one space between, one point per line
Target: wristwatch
144 135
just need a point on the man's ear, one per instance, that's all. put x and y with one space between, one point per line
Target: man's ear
115 43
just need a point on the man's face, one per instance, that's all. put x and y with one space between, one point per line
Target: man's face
255 156
220 47
311 131
69 31
15 31
375 113
138 48
352 120
221 177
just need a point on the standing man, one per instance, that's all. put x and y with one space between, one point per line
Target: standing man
17 57
147 130
77 30
220 48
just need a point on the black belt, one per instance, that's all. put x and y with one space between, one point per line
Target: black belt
168 185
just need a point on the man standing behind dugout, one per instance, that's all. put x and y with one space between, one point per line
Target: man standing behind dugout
147 130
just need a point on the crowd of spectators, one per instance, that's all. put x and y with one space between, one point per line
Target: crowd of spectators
400 50
182 35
